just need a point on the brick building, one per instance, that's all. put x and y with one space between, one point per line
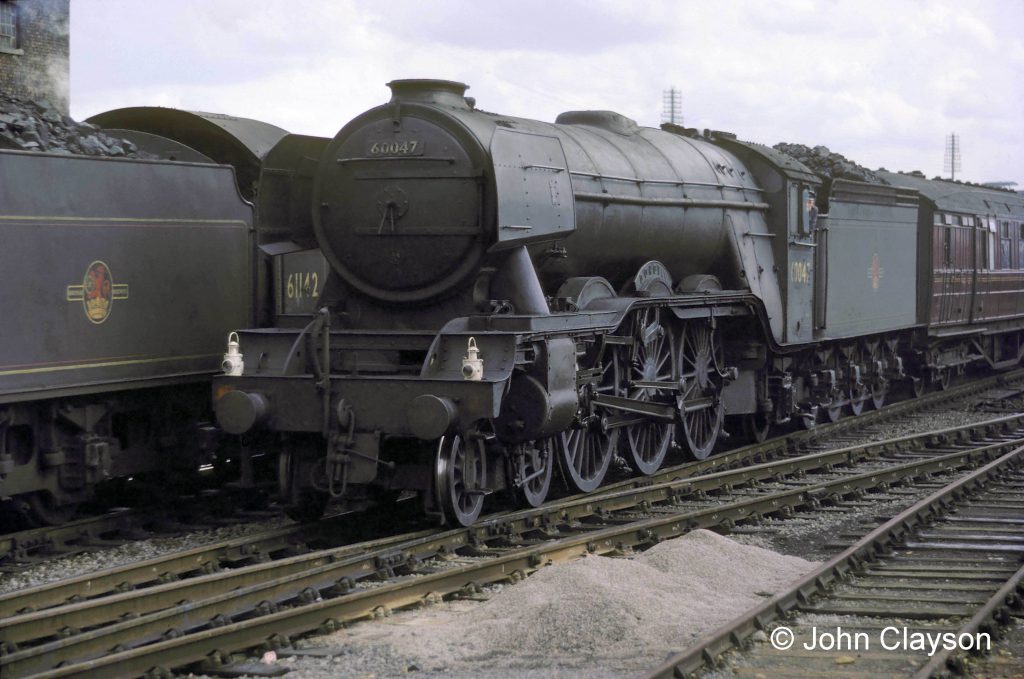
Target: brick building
34 50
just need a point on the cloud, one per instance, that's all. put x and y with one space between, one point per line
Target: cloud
881 81
561 27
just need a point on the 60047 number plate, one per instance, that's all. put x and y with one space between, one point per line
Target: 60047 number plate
396 147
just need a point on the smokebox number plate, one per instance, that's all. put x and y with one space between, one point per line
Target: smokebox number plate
396 147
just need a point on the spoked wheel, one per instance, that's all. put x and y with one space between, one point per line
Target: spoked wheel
43 509
878 394
534 462
460 478
302 502
832 409
859 395
944 379
649 359
917 387
586 454
699 356
880 386
587 449
756 427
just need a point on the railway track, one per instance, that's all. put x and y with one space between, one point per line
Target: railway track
123 631
24 549
119 526
910 598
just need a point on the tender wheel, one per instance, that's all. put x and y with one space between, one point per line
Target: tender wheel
832 409
917 387
649 359
588 448
858 397
944 379
880 385
42 509
302 502
859 394
699 358
756 427
878 395
534 462
460 478
857 401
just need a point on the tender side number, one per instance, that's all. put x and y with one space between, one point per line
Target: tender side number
302 285
409 147
800 272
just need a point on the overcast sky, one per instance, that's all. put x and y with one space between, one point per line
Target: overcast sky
880 81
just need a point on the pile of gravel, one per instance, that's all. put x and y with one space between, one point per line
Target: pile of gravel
623 615
38 126
828 164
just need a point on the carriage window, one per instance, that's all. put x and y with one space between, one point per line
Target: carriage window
1006 252
1020 247
937 219
948 219
987 251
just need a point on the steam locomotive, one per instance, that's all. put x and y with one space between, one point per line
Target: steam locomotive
466 300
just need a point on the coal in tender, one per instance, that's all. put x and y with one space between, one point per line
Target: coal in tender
829 164
27 125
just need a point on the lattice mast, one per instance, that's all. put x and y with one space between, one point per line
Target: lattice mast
952 162
672 106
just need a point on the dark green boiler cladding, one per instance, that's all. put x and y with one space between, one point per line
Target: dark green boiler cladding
414 197
506 295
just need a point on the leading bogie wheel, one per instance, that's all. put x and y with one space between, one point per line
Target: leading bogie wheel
302 502
534 462
460 478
